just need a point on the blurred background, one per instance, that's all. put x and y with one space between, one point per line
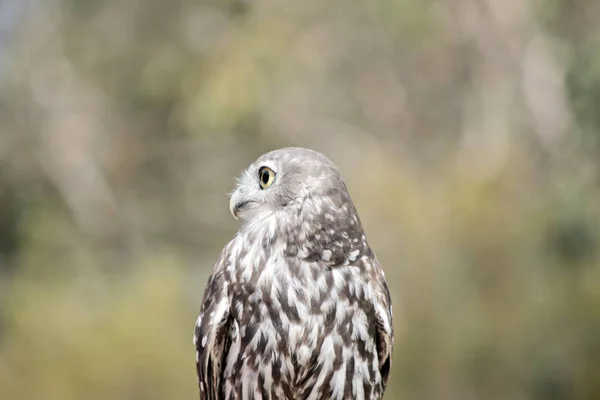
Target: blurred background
468 133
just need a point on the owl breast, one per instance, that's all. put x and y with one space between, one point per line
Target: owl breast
300 331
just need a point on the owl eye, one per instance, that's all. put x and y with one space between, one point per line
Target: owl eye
266 176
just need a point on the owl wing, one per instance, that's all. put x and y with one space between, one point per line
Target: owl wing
384 339
211 335
385 334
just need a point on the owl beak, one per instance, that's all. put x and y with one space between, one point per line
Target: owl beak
236 208
236 203
233 208
234 212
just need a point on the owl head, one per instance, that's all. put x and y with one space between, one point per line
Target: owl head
289 181
298 198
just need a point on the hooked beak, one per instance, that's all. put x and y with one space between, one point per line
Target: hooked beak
236 203
233 208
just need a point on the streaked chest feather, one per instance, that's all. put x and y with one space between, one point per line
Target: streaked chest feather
296 325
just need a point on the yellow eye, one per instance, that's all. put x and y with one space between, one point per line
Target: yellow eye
266 176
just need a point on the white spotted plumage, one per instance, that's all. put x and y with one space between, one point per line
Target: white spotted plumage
297 306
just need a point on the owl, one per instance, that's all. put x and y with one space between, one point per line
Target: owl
297 305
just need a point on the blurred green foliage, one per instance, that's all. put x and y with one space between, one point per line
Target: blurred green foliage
467 132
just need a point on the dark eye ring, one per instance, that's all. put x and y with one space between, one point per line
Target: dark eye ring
266 176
